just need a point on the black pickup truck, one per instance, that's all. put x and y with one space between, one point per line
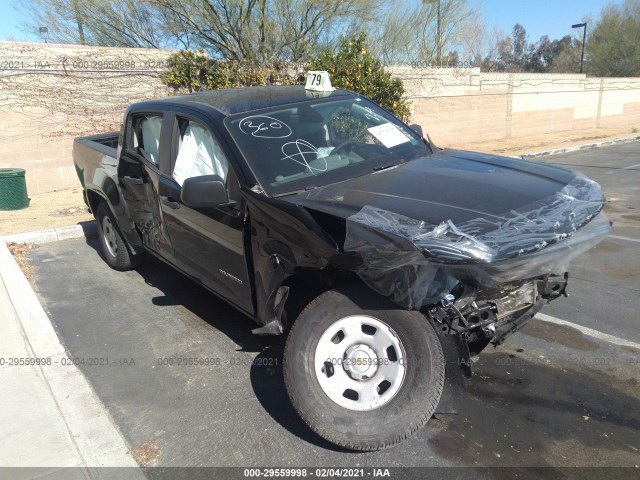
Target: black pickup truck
389 263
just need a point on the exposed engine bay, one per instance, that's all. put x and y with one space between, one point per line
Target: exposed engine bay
487 316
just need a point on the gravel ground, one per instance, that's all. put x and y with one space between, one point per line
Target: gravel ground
60 208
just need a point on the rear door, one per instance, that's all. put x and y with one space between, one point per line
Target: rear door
208 243
143 158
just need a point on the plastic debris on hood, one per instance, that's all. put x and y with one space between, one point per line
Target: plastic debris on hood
415 263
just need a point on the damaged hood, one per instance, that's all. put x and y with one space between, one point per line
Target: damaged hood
448 185
463 207
424 226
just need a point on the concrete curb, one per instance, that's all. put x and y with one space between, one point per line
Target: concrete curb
557 151
84 229
96 439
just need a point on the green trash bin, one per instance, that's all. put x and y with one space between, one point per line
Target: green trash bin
13 189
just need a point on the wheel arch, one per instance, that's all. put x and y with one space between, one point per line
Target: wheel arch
307 284
95 198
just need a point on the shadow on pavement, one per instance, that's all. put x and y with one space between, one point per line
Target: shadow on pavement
177 289
520 412
266 373
268 384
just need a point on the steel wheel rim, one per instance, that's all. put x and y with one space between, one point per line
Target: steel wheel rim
360 363
109 235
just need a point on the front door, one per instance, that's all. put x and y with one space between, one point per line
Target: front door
208 243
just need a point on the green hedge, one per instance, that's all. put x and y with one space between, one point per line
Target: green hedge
354 68
193 71
351 66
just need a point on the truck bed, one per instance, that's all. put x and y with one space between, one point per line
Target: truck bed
105 143
95 159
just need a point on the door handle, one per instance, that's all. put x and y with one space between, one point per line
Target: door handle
133 180
170 202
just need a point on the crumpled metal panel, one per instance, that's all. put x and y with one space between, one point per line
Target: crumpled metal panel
415 263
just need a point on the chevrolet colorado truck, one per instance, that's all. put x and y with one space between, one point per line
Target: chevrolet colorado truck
387 262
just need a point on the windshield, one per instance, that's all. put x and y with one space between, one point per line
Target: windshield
316 143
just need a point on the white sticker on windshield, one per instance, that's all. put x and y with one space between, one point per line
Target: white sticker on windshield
388 134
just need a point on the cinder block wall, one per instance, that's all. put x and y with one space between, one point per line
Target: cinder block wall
50 94
459 106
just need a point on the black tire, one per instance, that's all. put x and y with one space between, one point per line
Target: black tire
410 407
114 249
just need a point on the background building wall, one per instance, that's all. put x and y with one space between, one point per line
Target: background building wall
50 94
465 105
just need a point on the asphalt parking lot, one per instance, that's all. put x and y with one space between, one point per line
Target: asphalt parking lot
552 396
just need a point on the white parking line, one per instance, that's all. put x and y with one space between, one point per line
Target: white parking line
624 168
628 239
589 331
632 166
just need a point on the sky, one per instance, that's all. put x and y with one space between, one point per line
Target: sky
538 17
10 22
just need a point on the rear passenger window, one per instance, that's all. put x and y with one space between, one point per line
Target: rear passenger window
146 137
199 153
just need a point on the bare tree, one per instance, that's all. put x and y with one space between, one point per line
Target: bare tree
126 23
260 29
408 32
263 30
267 30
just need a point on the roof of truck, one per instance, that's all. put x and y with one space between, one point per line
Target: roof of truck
238 100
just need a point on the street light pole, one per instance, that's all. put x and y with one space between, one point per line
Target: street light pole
584 39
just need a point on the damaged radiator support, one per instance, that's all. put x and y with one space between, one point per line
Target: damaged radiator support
490 315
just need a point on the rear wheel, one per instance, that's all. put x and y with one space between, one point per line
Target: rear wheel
116 251
360 372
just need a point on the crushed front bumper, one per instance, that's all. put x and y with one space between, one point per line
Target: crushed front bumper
479 317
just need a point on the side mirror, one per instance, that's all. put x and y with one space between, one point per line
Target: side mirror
417 128
206 191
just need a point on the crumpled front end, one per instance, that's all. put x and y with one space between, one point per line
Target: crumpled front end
415 263
483 278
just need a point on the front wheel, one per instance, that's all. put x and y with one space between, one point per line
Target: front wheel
115 250
360 372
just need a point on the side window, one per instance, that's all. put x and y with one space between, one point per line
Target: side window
199 153
146 136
